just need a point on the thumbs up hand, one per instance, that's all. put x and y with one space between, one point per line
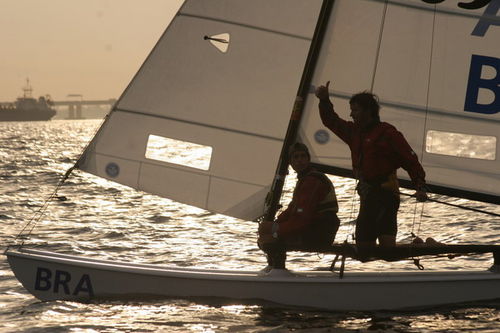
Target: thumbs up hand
322 91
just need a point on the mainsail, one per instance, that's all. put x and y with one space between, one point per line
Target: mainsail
222 81
204 122
436 70
230 103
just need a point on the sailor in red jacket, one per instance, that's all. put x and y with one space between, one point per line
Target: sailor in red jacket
310 220
378 149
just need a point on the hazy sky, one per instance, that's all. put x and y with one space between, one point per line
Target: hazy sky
88 47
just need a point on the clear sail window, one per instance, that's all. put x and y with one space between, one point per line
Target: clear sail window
461 145
178 152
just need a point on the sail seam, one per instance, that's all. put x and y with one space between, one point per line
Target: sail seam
190 122
246 26
436 187
417 108
139 173
207 196
178 169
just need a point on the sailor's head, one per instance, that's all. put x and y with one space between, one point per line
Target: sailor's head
299 157
365 108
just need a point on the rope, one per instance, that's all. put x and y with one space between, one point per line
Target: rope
414 223
428 85
351 215
381 32
419 224
41 211
455 205
425 124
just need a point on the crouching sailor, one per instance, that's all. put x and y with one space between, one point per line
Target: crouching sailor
310 221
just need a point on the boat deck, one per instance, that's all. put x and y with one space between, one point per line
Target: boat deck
404 251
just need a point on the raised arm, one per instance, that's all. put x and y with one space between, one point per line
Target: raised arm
343 129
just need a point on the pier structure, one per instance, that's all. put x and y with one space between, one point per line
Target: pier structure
75 106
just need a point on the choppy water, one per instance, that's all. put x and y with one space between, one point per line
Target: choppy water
103 219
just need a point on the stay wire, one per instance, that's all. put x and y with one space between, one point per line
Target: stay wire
377 55
477 210
37 216
41 211
352 222
379 45
429 73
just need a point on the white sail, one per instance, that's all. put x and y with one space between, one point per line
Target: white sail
228 105
436 70
204 120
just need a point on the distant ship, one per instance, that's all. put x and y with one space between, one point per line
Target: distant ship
27 108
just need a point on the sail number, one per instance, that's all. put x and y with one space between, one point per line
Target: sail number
476 83
59 281
484 72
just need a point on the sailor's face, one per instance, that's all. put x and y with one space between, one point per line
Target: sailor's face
299 161
359 115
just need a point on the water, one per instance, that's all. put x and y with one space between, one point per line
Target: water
106 220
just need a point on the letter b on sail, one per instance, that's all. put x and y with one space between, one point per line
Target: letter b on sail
477 81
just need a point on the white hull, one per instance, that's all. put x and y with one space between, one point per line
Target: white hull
50 276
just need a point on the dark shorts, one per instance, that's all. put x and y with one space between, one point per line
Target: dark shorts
322 231
377 214
318 237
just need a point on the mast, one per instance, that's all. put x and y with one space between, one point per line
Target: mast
302 93
27 89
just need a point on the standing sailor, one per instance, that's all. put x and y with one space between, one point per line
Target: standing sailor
378 149
309 222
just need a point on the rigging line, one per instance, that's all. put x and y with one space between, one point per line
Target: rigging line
455 205
415 233
429 73
379 45
413 221
351 214
41 211
421 218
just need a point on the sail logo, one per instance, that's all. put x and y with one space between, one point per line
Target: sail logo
112 169
489 84
474 4
61 281
488 18
321 136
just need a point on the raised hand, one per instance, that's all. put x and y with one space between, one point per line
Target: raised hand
322 91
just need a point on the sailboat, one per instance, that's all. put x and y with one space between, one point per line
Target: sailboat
223 80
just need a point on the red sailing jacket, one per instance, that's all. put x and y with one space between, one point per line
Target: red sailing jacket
376 153
312 196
